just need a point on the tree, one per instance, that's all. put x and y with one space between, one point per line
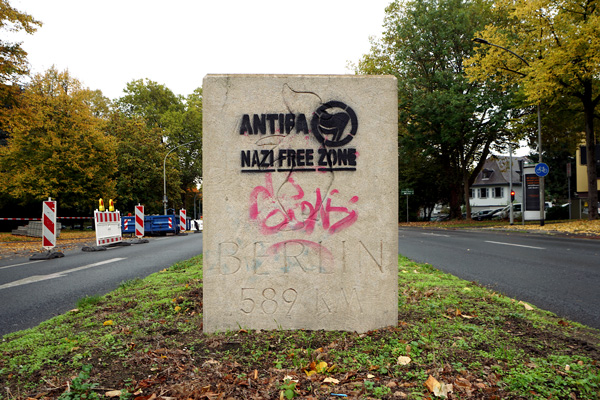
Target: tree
178 119
150 100
447 119
185 126
140 161
558 46
13 59
56 146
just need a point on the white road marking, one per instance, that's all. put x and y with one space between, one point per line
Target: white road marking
518 245
435 234
25 263
39 278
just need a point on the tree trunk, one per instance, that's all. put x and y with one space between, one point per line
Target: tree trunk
590 142
455 203
467 196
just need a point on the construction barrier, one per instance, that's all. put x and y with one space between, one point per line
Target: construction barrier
108 227
139 221
182 219
49 224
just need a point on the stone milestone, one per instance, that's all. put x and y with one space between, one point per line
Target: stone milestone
300 201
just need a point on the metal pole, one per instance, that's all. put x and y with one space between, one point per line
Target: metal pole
165 174
542 202
406 208
569 185
512 218
523 184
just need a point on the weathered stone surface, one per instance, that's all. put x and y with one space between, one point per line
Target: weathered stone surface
300 202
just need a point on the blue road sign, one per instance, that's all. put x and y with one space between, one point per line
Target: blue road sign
542 169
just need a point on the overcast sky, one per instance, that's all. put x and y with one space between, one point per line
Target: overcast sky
106 44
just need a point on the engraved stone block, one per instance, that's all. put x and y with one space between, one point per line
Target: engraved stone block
300 180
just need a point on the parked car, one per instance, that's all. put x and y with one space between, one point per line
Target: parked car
486 214
505 213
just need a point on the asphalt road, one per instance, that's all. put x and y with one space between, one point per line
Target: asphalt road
558 274
34 291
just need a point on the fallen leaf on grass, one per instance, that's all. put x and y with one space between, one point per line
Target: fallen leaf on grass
463 384
403 360
113 393
107 323
316 368
331 380
527 306
437 388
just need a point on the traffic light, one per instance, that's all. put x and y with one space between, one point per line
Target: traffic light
512 195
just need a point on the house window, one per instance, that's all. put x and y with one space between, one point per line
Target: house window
483 193
498 192
486 174
471 193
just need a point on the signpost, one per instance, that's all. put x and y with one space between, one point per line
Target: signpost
542 169
407 192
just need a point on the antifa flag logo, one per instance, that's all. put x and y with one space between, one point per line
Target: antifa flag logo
334 124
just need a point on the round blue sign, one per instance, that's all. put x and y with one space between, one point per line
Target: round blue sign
542 169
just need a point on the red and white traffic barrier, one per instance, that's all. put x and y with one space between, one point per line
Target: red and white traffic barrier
108 227
49 224
139 221
170 223
182 219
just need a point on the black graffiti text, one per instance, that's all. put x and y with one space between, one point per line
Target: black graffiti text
273 124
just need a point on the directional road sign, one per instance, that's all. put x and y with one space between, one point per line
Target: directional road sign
542 169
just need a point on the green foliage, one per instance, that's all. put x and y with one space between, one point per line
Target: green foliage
80 389
57 147
447 124
289 389
140 157
539 377
551 50
88 301
178 123
13 59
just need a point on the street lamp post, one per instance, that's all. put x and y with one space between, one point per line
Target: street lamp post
165 173
539 122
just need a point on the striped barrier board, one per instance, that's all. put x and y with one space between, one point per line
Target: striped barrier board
182 219
139 221
108 227
49 225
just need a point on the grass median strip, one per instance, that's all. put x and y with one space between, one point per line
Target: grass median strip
454 339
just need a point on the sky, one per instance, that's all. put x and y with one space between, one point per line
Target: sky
106 44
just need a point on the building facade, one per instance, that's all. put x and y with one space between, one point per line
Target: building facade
491 188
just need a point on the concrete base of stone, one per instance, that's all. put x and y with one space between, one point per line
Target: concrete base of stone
138 241
119 244
93 248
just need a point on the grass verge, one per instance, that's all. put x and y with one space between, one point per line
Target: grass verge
455 340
